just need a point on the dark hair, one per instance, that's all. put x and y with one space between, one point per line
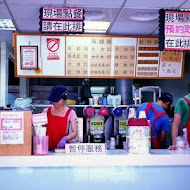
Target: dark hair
166 97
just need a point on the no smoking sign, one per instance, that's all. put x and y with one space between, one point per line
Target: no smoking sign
53 48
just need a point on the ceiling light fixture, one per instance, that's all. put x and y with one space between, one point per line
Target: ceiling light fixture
94 15
6 24
144 16
96 26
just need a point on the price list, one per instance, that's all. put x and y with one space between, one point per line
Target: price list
124 60
147 57
77 57
100 56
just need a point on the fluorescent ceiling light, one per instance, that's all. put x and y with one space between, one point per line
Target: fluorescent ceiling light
96 26
144 16
6 24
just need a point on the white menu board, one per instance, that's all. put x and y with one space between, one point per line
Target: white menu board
77 56
123 56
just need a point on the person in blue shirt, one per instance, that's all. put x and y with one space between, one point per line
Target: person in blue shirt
159 120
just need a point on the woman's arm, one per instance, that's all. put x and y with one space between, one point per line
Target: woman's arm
74 129
175 128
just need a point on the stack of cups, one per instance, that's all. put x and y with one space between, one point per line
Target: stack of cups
40 141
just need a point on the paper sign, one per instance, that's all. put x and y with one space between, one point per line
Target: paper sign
39 119
11 128
85 148
53 48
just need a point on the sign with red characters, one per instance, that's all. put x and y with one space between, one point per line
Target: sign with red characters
53 48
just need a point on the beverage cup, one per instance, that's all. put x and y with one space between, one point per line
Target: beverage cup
40 145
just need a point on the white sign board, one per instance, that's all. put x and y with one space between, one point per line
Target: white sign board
85 148
39 119
12 128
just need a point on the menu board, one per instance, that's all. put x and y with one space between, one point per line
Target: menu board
124 56
77 56
96 56
148 57
100 56
171 64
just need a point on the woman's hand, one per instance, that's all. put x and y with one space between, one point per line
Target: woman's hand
62 142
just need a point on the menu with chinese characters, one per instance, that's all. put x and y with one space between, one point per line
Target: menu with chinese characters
124 56
100 56
171 64
148 57
12 128
176 30
85 148
77 56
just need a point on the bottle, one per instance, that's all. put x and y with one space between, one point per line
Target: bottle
112 143
180 144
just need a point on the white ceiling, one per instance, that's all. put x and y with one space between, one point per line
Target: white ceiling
25 14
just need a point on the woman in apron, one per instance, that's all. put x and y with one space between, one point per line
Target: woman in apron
60 119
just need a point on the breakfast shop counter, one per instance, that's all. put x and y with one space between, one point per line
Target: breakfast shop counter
157 157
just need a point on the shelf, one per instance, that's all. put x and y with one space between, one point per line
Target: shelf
81 106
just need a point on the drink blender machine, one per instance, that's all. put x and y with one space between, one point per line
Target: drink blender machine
95 121
120 122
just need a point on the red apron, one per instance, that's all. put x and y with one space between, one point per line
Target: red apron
155 142
187 126
56 128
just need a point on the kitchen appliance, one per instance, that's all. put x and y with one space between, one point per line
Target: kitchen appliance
95 129
120 129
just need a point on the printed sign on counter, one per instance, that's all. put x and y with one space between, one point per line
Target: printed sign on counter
11 127
39 119
85 148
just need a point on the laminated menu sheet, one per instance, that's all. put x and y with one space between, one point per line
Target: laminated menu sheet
15 133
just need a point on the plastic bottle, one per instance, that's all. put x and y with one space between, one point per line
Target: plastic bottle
112 143
180 144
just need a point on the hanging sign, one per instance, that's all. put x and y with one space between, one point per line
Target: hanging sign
174 30
61 20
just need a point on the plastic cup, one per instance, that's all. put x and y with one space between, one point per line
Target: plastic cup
40 145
